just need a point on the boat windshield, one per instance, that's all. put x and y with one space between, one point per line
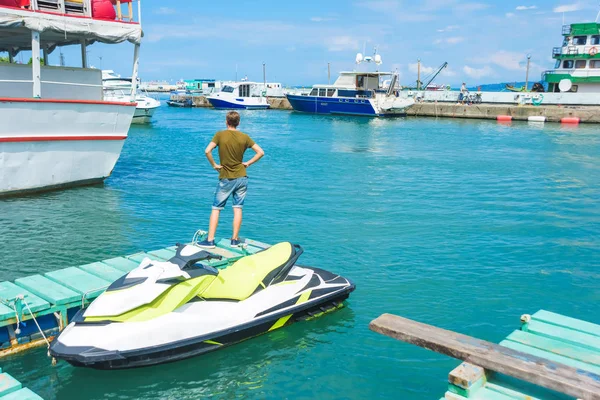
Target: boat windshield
227 89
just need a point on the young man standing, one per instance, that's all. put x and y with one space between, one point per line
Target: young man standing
233 180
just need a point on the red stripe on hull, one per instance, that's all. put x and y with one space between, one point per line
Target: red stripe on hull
58 138
22 100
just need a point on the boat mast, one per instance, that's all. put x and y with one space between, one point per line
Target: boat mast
264 77
136 56
329 73
83 54
527 72
418 74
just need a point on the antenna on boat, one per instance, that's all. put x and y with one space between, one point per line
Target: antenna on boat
329 73
597 16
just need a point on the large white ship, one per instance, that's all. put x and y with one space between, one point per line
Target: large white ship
58 129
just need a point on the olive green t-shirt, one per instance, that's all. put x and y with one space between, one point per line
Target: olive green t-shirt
232 145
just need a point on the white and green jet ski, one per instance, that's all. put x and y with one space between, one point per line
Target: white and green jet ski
166 311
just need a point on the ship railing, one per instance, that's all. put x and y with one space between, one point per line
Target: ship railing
576 50
566 29
556 51
84 8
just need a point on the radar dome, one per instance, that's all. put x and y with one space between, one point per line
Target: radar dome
378 59
359 58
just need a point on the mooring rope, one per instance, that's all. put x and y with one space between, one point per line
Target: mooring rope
35 320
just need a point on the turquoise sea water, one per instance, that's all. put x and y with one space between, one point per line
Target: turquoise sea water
461 224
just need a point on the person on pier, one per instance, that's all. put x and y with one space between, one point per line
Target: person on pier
233 180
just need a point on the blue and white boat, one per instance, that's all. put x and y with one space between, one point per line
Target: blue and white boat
240 95
355 93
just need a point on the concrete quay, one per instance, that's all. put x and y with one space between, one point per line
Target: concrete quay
277 103
587 114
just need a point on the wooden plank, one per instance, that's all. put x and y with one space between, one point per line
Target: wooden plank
49 290
9 290
572 323
466 379
556 346
22 394
551 356
164 254
542 372
138 257
103 271
8 384
6 312
80 281
576 338
121 263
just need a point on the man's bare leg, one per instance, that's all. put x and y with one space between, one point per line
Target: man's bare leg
213 223
237 222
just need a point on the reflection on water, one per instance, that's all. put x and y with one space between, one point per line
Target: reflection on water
54 230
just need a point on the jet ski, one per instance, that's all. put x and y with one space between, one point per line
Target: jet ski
171 310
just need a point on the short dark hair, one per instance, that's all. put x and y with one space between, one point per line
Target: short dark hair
233 119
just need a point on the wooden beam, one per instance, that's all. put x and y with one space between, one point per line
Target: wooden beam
539 371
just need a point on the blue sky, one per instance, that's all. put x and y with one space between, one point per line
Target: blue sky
483 41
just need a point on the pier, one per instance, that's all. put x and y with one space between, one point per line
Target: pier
549 350
12 389
585 114
276 103
34 309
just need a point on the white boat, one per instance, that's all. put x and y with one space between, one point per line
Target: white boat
118 89
58 129
355 93
240 95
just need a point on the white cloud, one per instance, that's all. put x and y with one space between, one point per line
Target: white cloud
478 73
508 60
509 15
342 43
165 11
380 5
567 8
523 8
450 40
425 70
449 28
322 19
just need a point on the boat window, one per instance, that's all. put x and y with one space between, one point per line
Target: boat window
574 88
314 92
227 89
322 92
568 64
595 39
579 40
330 92
580 64
244 91
557 65
594 63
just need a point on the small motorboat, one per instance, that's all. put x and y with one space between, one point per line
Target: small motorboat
166 311
180 103
240 95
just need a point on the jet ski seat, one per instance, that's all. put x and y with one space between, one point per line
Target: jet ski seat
253 273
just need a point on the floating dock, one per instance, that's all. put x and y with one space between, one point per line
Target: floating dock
584 114
276 103
12 389
34 309
548 357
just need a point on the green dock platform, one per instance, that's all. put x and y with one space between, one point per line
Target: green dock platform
11 389
53 298
560 339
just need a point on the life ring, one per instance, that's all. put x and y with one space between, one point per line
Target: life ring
536 101
593 51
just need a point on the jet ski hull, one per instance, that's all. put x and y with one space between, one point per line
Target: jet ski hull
326 300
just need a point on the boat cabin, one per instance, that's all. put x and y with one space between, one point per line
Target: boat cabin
354 84
577 60
45 25
244 89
